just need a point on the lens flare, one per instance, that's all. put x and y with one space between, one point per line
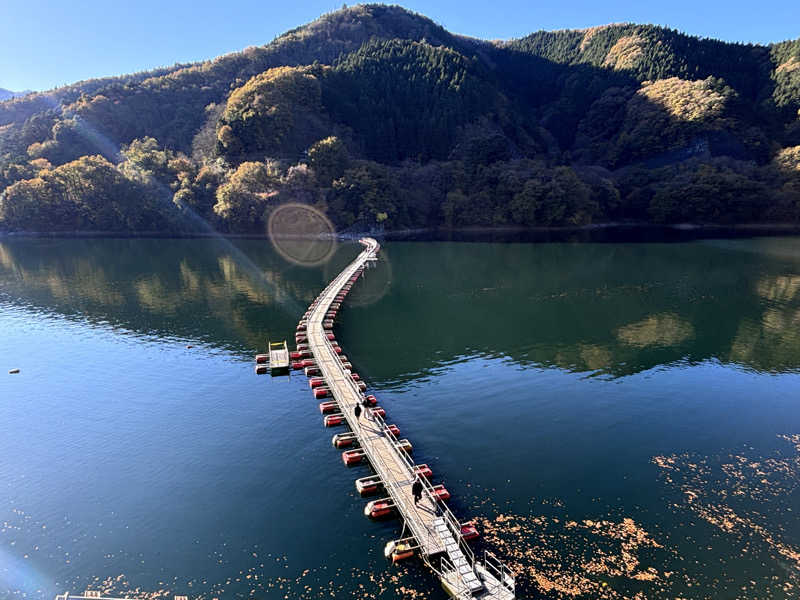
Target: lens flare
19 577
302 234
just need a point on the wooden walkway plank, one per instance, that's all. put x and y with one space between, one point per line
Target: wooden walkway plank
433 526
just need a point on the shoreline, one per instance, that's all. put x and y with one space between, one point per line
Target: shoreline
598 232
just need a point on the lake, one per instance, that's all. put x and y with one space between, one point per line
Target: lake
619 418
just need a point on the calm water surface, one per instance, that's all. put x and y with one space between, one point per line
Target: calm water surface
622 418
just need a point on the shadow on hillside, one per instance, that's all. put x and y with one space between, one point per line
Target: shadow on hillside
169 104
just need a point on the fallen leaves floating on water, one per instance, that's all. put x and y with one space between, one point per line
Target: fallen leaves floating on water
740 541
749 498
569 558
310 584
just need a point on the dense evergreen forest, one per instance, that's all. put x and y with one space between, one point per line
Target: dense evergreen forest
381 118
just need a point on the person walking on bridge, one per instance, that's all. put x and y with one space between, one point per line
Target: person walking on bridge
416 489
367 412
357 412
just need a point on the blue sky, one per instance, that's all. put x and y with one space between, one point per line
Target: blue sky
45 44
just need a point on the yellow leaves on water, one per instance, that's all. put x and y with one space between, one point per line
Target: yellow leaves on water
572 559
710 486
793 439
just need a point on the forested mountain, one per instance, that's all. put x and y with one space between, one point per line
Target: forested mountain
7 94
378 116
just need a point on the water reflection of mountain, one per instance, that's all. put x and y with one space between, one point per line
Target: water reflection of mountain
609 308
615 309
228 294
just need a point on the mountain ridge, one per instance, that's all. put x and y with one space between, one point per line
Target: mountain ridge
562 127
8 94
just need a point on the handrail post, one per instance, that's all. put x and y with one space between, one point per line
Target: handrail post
421 527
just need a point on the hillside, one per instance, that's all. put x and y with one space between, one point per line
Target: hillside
380 117
8 94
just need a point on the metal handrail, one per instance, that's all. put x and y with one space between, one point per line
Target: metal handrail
494 565
374 458
504 575
365 251
461 588
377 460
442 510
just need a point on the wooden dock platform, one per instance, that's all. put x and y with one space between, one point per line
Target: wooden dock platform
278 357
436 530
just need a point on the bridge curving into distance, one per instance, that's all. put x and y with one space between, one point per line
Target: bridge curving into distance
435 533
